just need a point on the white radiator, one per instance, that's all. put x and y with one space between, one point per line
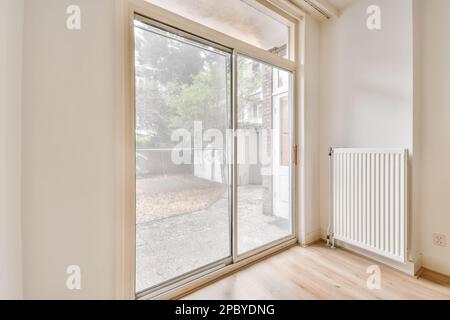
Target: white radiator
368 200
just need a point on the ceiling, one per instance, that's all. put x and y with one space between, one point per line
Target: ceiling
340 4
332 8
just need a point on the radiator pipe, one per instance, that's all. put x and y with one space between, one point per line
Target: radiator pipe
330 235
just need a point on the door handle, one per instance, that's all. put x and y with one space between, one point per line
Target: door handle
296 154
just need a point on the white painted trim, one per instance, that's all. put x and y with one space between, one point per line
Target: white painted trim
327 7
125 243
268 9
11 105
184 289
437 264
324 6
263 248
409 267
312 237
289 8
300 112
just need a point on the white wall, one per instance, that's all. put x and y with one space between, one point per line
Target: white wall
310 136
390 88
69 149
366 83
11 19
432 131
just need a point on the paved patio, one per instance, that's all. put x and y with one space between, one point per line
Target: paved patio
172 246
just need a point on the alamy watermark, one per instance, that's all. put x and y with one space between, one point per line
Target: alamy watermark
374 19
374 280
73 22
206 146
73 281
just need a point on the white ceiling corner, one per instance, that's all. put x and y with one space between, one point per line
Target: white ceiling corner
330 7
340 4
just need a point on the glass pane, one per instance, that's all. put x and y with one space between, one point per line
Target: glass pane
285 146
264 154
237 19
182 114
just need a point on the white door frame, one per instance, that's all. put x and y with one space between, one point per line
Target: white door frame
126 11
279 170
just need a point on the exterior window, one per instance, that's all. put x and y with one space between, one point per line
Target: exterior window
182 183
264 152
214 134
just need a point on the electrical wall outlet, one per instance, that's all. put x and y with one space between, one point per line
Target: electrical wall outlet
440 240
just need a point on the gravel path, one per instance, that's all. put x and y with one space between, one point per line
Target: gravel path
180 243
161 197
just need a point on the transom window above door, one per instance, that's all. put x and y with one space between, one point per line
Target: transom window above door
247 20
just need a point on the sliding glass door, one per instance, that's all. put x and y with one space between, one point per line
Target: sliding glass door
183 104
264 156
214 156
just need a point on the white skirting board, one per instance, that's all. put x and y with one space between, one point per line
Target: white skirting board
409 267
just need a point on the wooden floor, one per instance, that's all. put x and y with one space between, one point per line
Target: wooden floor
317 272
